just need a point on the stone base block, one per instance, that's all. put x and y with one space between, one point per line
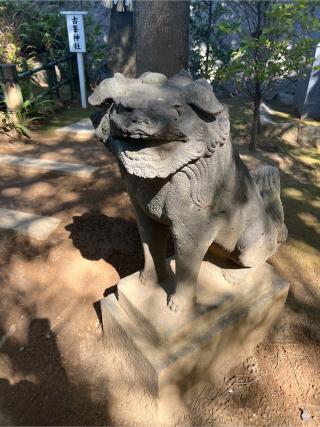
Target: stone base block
172 351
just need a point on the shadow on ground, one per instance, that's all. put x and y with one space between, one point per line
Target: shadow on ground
115 240
45 391
53 376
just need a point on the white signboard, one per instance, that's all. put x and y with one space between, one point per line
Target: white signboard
77 42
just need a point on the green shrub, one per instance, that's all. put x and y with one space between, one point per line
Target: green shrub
20 121
30 29
33 31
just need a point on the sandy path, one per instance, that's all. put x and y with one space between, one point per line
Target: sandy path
54 368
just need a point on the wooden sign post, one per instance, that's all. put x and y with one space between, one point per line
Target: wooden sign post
77 44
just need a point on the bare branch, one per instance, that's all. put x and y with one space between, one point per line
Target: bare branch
236 97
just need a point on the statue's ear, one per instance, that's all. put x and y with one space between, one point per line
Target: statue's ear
108 90
156 79
104 96
199 95
181 79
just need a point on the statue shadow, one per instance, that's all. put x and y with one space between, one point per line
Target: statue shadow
115 240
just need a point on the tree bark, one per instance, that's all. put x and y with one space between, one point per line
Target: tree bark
208 38
120 47
161 35
255 125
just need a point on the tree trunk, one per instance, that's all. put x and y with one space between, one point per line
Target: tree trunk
208 39
255 125
161 35
120 47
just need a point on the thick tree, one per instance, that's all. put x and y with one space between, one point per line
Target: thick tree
161 35
120 48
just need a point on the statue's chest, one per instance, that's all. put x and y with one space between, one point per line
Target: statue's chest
149 194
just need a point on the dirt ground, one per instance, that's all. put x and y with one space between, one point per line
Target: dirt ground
54 367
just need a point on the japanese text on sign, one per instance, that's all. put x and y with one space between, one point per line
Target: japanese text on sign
76 33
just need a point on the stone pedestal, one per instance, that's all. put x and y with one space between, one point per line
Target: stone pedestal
172 351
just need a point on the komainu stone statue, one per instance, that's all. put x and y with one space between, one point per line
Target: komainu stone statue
172 141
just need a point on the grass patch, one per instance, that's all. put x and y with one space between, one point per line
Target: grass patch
65 116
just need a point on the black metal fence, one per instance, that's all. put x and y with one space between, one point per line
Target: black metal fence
10 80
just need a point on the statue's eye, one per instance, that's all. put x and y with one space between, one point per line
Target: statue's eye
107 103
177 107
119 108
204 115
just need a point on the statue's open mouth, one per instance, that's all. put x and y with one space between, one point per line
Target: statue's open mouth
135 140
134 137
140 138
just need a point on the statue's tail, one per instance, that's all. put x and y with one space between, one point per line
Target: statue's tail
267 179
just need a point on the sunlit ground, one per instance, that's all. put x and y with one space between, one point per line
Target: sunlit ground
54 368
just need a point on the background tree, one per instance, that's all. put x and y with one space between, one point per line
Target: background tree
275 43
161 35
207 49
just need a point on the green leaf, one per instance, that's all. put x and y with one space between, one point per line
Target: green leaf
23 130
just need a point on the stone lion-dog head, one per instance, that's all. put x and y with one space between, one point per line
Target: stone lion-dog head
155 125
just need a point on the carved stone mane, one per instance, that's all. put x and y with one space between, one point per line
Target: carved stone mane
200 173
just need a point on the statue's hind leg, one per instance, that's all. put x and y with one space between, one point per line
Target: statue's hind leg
154 237
262 236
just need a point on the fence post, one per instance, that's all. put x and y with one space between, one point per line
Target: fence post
29 83
54 73
49 74
75 73
11 89
55 81
70 77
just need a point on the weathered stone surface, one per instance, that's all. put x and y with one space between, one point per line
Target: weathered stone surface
285 98
35 226
307 95
173 351
171 138
79 169
300 95
311 106
309 135
80 128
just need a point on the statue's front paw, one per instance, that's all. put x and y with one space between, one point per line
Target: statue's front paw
178 304
148 278
174 304
182 303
